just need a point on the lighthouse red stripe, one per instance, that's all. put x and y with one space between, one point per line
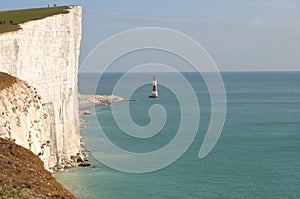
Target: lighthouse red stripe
154 88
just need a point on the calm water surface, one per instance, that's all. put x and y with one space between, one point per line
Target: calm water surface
257 155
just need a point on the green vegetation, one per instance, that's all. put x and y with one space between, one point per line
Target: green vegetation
15 17
17 192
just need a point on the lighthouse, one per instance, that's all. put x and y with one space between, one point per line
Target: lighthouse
154 88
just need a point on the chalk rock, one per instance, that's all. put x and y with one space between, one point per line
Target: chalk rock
45 53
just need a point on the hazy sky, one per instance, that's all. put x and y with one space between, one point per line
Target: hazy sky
242 35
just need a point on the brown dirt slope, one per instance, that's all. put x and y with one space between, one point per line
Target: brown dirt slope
22 175
6 80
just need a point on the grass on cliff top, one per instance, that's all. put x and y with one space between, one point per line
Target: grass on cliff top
21 16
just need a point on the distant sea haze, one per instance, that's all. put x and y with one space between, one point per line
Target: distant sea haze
257 155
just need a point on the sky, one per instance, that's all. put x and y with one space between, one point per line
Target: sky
239 35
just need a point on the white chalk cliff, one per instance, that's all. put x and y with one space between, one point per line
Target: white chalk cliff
44 53
22 117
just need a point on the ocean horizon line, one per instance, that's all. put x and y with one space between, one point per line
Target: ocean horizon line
122 72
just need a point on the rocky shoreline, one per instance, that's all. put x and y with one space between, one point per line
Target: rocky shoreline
85 102
88 101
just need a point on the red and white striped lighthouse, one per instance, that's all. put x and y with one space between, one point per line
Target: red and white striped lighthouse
154 88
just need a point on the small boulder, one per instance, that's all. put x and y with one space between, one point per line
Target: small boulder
84 164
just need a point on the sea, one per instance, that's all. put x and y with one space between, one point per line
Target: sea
256 156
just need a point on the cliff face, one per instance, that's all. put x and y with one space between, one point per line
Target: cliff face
45 54
21 116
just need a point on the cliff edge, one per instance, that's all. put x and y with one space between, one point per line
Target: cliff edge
44 54
23 175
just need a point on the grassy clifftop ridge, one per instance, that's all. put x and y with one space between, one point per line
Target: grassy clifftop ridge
11 20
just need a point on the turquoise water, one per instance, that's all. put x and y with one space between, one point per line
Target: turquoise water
257 155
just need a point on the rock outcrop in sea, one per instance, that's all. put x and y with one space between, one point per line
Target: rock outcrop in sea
39 107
